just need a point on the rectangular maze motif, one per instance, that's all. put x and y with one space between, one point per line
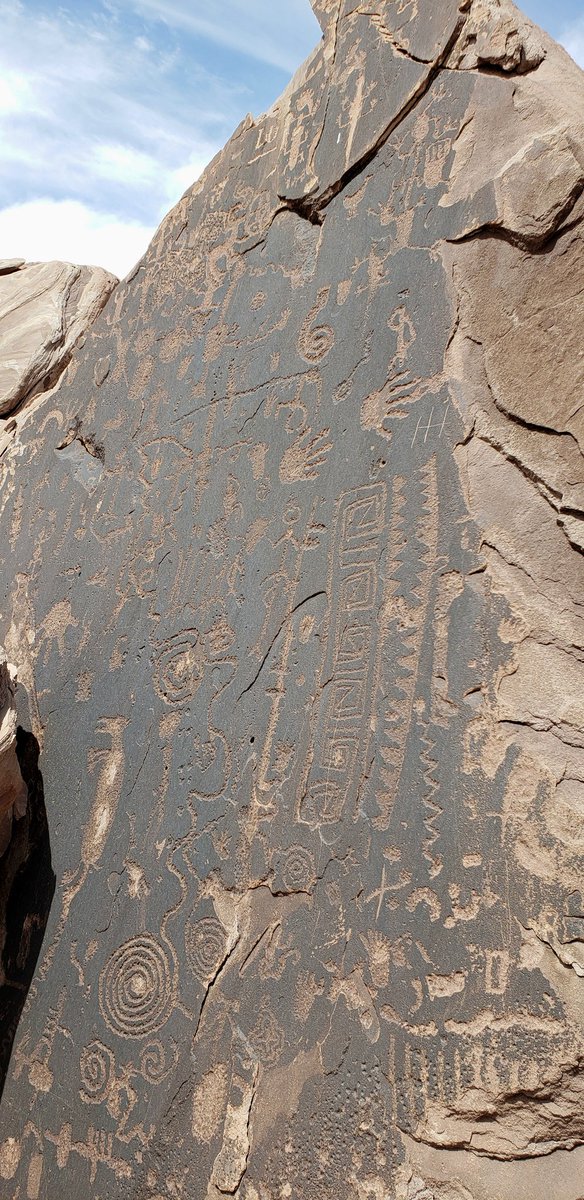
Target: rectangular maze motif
351 663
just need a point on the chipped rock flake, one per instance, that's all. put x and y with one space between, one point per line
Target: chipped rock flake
292 578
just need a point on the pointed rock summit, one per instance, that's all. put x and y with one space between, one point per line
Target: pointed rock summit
292 580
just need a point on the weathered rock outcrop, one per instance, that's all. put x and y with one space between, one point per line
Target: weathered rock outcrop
44 310
293 579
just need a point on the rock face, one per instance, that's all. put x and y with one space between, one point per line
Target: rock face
44 309
293 578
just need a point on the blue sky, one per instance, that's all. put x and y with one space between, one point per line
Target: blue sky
110 109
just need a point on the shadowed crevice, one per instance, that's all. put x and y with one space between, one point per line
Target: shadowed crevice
27 886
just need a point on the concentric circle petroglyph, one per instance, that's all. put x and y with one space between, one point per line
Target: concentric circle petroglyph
137 987
297 869
206 946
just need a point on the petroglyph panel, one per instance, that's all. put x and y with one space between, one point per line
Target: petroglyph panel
302 646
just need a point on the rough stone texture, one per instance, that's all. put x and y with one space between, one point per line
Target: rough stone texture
44 309
294 586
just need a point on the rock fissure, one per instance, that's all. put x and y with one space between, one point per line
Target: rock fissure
281 627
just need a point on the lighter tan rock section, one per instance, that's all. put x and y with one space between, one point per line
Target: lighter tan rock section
44 309
431 1174
497 35
516 373
13 790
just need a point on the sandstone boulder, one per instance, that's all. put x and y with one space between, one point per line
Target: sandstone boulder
44 309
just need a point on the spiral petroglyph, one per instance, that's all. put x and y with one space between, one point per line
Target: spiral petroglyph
316 341
180 667
206 946
96 1067
137 988
155 1062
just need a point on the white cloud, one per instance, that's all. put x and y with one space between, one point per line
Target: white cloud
15 93
572 38
92 112
280 34
42 230
124 164
109 111
182 177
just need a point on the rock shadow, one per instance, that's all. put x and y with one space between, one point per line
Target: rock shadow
27 887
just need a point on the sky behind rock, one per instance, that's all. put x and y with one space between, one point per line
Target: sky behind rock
108 111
